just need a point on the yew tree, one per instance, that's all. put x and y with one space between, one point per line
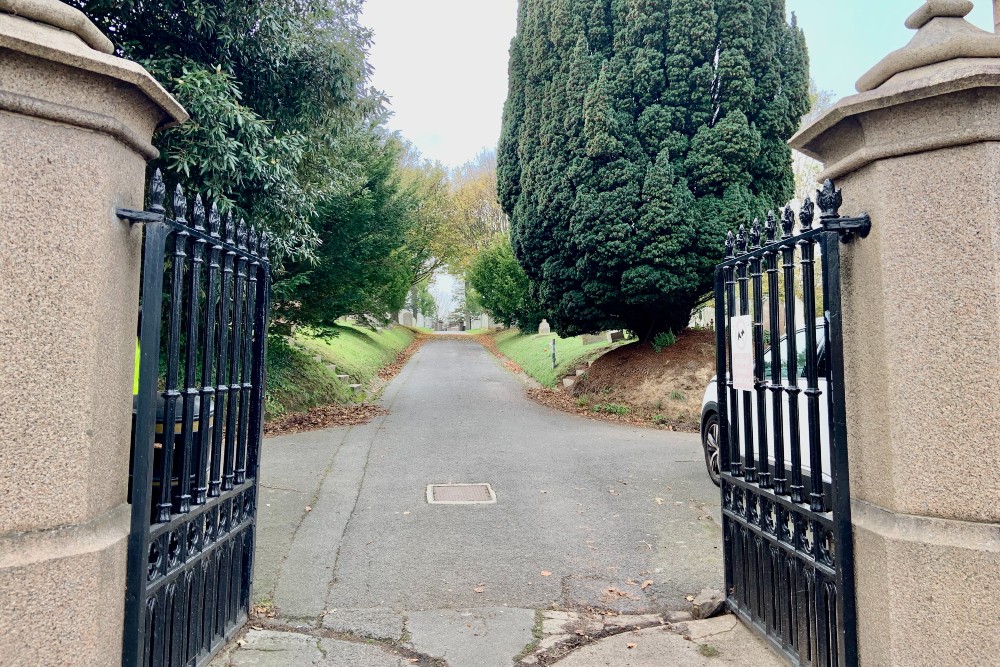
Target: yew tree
635 134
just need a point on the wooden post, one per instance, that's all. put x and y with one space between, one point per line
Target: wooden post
996 16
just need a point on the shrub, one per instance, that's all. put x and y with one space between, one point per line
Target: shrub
612 408
663 340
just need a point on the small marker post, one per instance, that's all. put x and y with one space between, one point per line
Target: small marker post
553 354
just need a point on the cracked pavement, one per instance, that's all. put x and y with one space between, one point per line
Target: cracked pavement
359 569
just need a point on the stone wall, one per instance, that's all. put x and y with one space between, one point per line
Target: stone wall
919 150
75 129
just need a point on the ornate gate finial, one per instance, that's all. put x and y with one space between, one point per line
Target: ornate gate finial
830 200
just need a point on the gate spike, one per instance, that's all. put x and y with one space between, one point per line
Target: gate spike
770 227
830 200
254 245
807 214
157 192
265 245
741 240
180 204
730 243
241 235
213 221
229 229
787 223
755 234
199 214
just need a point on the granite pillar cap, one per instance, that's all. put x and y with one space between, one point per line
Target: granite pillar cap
942 34
59 15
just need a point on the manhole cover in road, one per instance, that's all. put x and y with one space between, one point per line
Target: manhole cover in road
460 494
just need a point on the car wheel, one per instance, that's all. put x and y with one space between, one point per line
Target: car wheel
710 442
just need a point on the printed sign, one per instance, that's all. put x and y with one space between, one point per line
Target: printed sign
741 343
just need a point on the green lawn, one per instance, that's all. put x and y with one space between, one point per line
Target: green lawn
296 381
534 355
358 351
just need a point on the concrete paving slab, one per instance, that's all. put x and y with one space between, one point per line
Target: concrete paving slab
269 648
720 641
374 623
351 654
488 637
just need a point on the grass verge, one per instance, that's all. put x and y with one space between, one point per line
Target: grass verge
298 374
534 354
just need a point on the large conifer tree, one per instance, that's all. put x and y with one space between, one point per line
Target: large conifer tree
636 133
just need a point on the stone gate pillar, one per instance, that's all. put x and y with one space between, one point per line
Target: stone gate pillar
919 149
75 129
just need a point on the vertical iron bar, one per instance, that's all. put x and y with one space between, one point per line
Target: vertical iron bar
226 361
154 247
191 356
742 279
771 259
222 368
760 385
259 365
170 394
208 419
721 374
839 465
735 459
246 376
812 391
792 388
235 367
722 368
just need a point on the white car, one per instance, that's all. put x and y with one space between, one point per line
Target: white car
710 415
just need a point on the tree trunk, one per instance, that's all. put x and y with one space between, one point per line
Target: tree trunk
468 313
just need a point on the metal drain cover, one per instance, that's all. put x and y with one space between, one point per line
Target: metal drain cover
460 494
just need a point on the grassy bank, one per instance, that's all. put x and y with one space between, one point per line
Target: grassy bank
533 354
296 381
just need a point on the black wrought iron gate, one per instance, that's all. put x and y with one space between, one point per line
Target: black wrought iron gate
789 563
197 431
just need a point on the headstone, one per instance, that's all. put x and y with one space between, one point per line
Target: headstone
592 339
615 336
544 328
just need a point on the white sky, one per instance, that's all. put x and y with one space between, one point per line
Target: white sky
443 63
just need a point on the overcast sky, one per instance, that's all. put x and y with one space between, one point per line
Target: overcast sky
443 63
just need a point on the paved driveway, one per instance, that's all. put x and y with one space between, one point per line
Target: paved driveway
600 507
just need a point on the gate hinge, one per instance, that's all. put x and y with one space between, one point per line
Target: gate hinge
848 227
139 216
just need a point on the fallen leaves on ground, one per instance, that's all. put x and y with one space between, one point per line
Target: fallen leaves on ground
490 344
659 501
479 589
630 645
354 414
324 417
546 573
264 611
392 370
646 584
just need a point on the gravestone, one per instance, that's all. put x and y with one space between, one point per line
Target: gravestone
544 328
615 336
593 339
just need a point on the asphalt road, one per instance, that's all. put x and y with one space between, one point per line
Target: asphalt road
601 507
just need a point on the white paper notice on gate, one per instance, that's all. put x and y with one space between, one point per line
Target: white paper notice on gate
741 343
